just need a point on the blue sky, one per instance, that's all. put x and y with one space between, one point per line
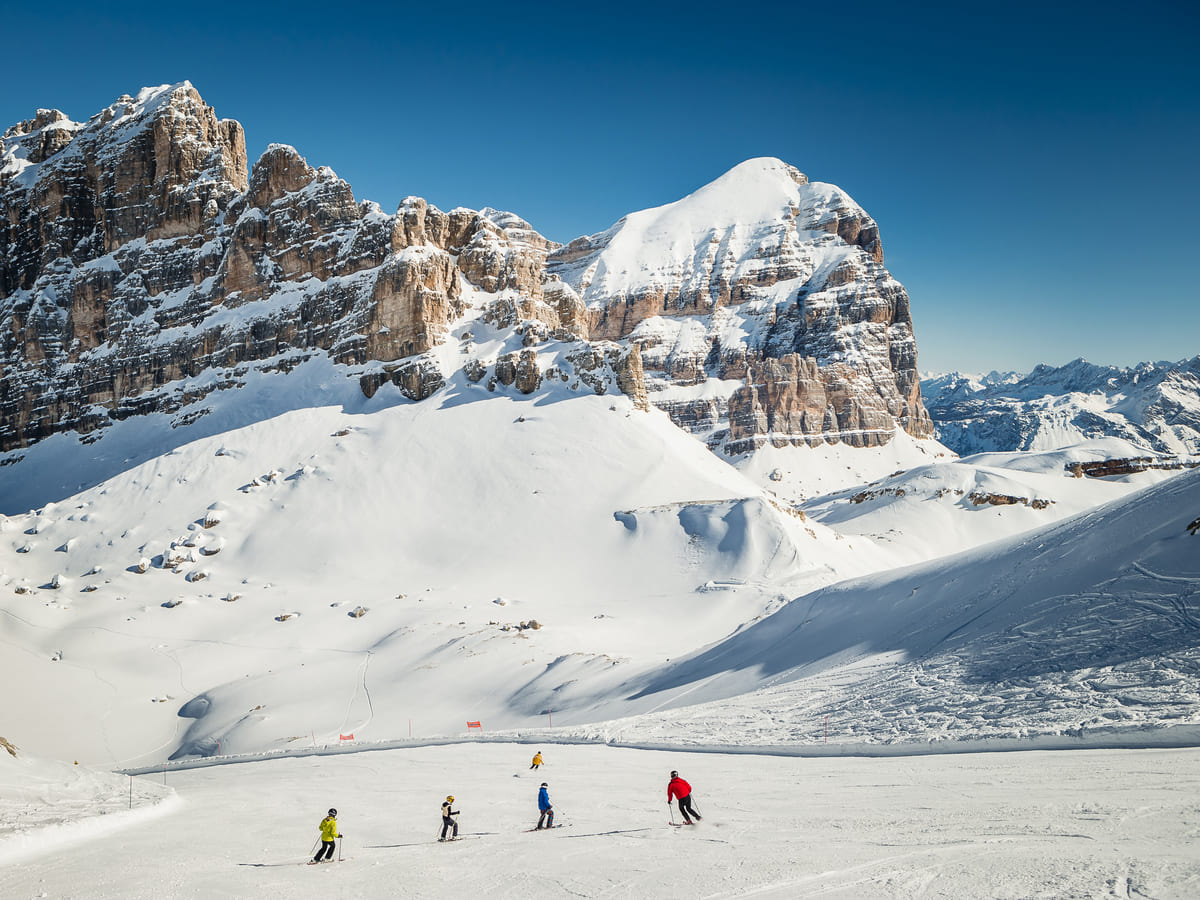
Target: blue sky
1032 167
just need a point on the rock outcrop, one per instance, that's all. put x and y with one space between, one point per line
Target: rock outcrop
137 250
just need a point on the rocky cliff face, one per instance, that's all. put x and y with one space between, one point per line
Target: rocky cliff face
137 251
1152 406
762 309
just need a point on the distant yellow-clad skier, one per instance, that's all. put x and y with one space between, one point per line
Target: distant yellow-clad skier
537 760
448 822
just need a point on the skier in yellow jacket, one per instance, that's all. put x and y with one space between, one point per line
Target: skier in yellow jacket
329 833
537 760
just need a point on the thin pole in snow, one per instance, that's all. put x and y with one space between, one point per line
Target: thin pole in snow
827 729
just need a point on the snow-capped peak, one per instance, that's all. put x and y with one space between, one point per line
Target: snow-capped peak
753 207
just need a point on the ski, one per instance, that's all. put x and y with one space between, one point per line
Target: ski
544 828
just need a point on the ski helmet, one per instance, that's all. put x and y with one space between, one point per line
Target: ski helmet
450 799
333 812
544 784
674 774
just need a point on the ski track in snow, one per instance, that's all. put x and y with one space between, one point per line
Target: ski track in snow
1033 824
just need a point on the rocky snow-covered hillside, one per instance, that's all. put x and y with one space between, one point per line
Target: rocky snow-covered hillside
762 309
137 254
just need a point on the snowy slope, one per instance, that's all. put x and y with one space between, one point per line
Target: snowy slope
1091 624
47 805
452 523
318 564
937 508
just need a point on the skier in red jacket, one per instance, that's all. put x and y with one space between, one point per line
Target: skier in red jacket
682 791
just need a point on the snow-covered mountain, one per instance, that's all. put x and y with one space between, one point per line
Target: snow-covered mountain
137 253
1155 407
762 309
281 467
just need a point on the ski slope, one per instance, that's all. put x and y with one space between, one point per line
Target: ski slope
312 563
1090 626
1011 825
486 540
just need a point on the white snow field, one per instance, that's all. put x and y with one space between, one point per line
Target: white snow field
1087 628
615 539
1092 824
268 569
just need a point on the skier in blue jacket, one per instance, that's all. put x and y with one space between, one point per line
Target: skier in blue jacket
547 811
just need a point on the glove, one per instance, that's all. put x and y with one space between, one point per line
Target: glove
340 835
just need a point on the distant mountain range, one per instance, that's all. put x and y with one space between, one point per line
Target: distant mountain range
1154 406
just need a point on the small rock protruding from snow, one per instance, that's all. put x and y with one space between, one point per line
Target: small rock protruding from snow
500 601
171 604
232 597
776 475
143 565
358 612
